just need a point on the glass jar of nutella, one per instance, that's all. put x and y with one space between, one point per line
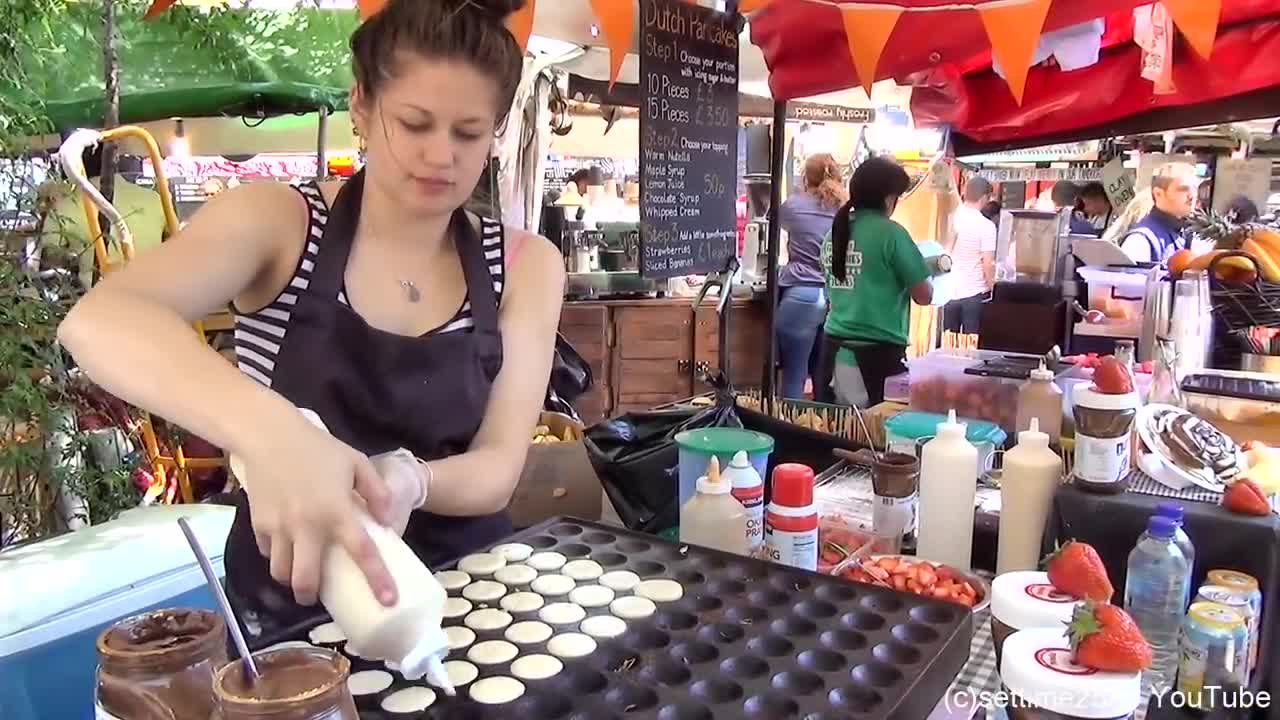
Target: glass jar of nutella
165 659
1026 600
1044 683
1103 442
293 684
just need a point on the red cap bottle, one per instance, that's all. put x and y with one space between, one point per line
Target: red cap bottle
791 522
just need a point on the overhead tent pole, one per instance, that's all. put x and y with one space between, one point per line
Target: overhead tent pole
777 161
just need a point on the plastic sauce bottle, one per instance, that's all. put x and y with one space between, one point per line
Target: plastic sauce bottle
748 489
713 518
1032 472
791 520
948 485
1154 589
1040 398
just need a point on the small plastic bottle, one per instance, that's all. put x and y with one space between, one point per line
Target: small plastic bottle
748 489
1174 512
1040 398
1032 472
948 486
713 518
791 520
1154 591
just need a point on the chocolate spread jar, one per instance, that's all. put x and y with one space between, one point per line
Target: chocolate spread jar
1104 439
294 684
1044 684
161 659
1025 600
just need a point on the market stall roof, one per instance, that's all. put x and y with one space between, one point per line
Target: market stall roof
807 43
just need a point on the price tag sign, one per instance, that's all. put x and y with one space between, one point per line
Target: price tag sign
1234 176
1119 183
688 138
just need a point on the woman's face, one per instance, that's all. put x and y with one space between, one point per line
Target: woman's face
428 133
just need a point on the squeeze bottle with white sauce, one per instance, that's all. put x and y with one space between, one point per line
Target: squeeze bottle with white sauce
406 636
748 489
1032 472
948 486
713 518
791 520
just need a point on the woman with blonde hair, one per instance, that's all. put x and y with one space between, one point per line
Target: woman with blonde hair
807 217
1137 209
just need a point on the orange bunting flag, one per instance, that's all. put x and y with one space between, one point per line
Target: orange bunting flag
617 22
867 30
1014 31
157 7
750 6
367 8
1198 21
520 23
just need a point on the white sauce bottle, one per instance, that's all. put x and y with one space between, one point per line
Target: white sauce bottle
948 486
1032 472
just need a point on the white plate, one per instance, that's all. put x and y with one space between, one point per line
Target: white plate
1171 471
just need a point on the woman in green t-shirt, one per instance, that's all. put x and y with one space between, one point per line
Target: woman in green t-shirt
874 270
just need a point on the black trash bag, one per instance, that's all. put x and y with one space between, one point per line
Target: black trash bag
570 374
557 404
636 458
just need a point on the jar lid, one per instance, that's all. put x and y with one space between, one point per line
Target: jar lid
1036 666
1083 395
792 485
1026 599
724 441
1223 595
1233 579
1216 616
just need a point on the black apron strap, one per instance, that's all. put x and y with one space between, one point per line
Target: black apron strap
475 267
335 244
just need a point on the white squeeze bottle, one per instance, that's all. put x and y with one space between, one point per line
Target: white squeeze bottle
948 485
713 518
1032 472
406 636
748 489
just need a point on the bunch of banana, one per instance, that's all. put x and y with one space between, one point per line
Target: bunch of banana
1261 242
543 434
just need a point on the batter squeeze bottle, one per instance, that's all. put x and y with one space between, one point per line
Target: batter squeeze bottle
407 636
748 489
712 517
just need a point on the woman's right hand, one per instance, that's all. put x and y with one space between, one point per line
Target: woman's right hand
305 491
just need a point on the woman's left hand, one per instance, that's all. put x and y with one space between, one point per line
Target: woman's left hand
406 480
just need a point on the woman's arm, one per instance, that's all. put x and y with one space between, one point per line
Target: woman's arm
483 479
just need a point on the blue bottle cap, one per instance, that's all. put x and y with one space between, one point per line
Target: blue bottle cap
1171 510
1161 527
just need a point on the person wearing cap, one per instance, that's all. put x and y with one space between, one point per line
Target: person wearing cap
973 257
1156 237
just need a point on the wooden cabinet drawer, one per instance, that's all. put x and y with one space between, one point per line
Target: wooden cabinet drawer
645 401
665 376
748 342
587 329
653 332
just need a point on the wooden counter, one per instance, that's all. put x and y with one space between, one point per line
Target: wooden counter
648 352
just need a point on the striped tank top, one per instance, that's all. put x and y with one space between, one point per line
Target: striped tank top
259 334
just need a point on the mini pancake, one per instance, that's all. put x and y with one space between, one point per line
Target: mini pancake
591 596
552 585
530 632
620 580
582 570
516 575
488 620
562 614
459 672
632 607
409 701
367 683
513 552
603 626
571 645
459 637
536 667
497 690
546 561
483 591
492 652
456 607
660 591
326 634
452 580
522 602
481 564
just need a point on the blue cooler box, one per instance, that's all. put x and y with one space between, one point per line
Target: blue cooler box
57 595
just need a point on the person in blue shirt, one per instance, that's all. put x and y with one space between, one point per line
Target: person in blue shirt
1156 237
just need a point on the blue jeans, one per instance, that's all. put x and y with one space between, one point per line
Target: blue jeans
801 313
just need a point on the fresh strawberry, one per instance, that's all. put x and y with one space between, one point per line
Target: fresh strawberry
1245 498
1076 570
1104 637
1111 377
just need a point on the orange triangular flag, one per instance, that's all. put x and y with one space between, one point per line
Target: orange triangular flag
1014 31
617 22
1198 21
867 30
157 7
520 23
749 6
369 7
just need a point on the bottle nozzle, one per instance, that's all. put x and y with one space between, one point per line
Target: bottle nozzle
951 416
1035 425
439 677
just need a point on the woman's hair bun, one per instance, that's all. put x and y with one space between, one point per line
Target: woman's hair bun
497 8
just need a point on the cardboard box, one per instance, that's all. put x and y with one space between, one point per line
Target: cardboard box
557 478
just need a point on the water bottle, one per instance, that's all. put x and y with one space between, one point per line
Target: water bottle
1173 511
1154 592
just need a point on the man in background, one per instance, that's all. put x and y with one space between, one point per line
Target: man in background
1094 206
1156 237
973 257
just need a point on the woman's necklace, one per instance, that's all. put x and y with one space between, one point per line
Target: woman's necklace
411 289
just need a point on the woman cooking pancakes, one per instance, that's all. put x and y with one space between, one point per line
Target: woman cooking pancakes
401 320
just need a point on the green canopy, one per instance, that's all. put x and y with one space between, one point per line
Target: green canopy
189 63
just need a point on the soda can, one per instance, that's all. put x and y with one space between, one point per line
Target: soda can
1210 654
1239 602
1248 584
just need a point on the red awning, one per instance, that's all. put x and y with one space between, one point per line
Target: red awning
805 46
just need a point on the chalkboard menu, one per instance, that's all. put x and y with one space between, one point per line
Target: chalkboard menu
688 138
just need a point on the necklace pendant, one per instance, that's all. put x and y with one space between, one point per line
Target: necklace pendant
412 290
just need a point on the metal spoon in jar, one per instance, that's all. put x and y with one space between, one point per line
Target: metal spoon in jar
250 669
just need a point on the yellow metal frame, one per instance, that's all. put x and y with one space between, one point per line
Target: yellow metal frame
160 464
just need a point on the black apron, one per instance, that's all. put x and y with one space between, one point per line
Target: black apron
376 391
